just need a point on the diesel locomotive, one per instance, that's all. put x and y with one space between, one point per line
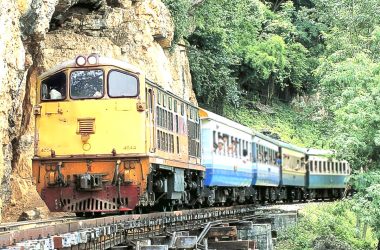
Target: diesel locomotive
107 140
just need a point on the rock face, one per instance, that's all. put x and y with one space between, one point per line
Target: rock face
37 34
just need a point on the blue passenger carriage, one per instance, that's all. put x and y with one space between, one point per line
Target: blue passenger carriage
227 156
327 177
266 167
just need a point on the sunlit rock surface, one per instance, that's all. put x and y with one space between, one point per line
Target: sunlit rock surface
37 34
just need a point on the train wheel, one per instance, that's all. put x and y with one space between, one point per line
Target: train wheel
166 208
139 210
89 214
79 214
272 195
180 207
163 208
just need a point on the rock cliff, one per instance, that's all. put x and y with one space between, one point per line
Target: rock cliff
37 34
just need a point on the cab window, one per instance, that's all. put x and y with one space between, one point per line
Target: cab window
86 84
121 84
54 87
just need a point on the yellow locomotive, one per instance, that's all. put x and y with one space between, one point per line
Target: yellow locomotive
109 140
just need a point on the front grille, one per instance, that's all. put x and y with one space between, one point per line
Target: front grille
86 126
91 204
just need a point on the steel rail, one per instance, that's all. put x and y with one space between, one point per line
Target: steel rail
12 226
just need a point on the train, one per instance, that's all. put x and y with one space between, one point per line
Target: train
109 140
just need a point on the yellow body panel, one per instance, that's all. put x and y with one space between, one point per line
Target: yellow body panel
117 125
294 172
293 161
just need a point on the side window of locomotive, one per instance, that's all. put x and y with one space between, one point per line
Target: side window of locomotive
54 87
122 85
182 109
86 84
175 106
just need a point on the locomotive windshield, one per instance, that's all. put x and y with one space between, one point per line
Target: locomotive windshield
86 84
121 84
54 87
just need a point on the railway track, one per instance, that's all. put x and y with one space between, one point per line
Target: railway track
106 232
112 230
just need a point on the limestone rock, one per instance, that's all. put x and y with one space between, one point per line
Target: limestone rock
33 214
37 34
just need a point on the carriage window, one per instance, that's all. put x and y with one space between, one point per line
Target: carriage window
320 167
54 87
310 166
121 84
344 168
86 84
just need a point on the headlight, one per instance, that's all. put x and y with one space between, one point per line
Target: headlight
81 61
92 59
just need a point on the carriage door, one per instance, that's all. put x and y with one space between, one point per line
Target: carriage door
151 117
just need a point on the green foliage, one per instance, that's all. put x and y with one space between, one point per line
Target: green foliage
268 59
321 225
220 27
349 76
349 25
180 11
325 52
351 95
366 202
244 46
277 65
294 124
212 80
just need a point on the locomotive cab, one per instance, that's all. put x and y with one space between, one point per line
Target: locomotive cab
90 134
97 149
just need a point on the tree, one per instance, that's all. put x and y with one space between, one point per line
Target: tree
243 46
366 202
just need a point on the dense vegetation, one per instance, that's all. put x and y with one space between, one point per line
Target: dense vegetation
326 226
308 70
